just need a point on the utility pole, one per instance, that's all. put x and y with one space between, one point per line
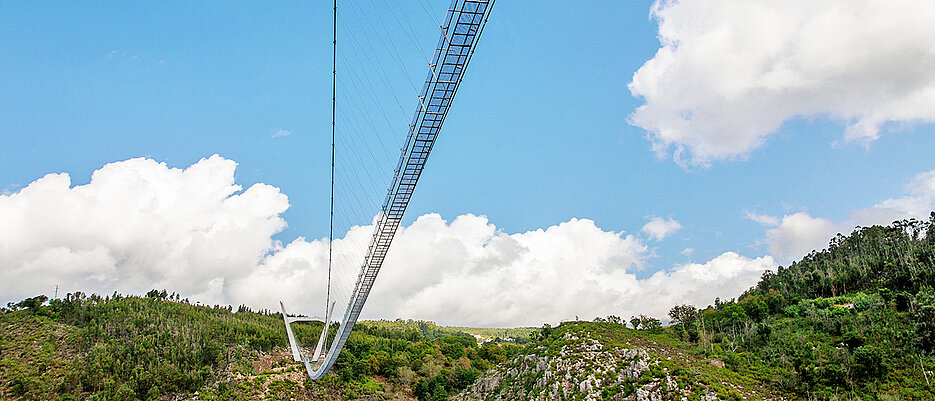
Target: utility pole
56 292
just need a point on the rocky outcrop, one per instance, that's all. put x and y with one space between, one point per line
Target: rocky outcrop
584 369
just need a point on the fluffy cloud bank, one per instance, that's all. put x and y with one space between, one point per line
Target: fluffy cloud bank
792 236
139 224
795 235
469 272
730 73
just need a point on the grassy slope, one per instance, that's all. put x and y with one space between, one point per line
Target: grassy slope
683 359
812 350
678 358
155 348
34 356
807 352
129 348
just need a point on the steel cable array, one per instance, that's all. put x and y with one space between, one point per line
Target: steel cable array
356 259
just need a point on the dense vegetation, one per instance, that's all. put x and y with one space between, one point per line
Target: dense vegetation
436 362
127 347
854 321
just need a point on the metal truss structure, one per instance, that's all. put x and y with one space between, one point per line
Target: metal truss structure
461 28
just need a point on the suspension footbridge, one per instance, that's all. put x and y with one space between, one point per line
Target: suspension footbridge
461 28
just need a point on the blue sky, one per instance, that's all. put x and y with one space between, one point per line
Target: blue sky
541 131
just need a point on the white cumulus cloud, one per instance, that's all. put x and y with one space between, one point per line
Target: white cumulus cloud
728 74
791 237
659 228
795 235
469 272
136 225
139 225
917 202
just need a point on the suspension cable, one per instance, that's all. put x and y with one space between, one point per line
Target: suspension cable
334 80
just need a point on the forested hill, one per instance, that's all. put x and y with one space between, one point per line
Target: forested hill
899 258
853 321
159 346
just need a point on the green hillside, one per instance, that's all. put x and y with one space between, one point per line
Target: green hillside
162 347
853 322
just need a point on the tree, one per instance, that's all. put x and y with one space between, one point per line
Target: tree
683 315
546 331
33 304
649 323
869 362
635 322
